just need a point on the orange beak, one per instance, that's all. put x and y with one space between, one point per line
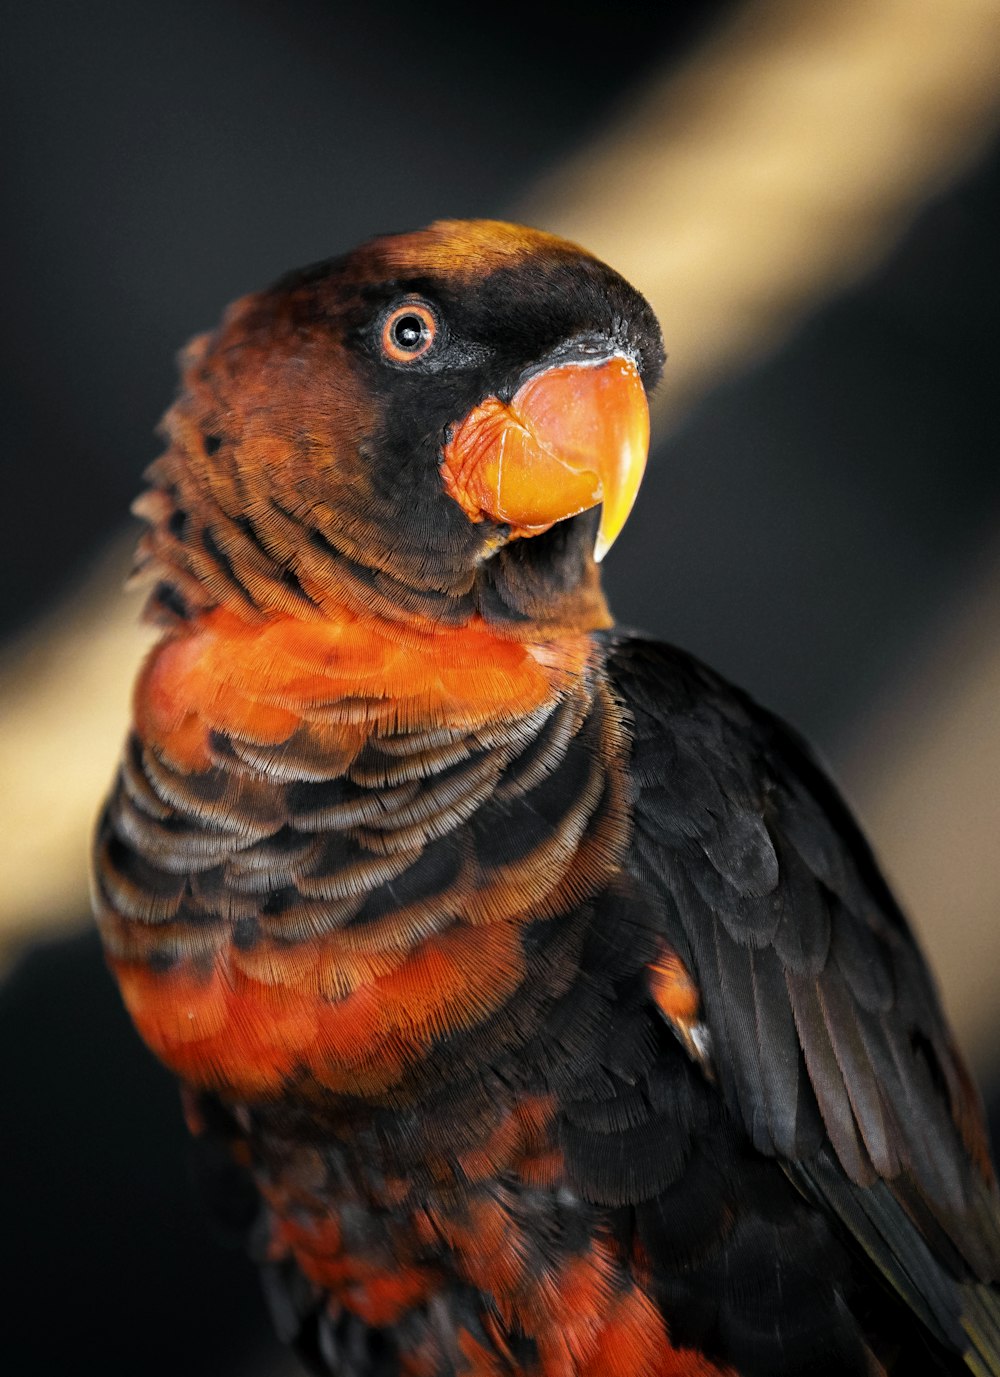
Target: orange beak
572 436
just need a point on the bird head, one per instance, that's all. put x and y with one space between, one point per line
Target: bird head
440 424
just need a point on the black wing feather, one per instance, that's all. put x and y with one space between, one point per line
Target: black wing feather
827 1035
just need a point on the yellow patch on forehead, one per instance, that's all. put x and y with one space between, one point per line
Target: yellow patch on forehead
468 246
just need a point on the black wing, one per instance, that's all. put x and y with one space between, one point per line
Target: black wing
826 1035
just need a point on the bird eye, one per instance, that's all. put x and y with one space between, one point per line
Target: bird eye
408 331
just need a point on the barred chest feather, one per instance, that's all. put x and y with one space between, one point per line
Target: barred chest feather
350 884
354 886
334 847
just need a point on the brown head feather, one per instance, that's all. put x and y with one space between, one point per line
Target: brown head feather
303 472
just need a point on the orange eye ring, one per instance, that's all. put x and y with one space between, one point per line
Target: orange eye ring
408 331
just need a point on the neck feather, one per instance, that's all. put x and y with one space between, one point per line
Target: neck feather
213 542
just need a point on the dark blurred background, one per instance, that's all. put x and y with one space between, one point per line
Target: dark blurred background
820 518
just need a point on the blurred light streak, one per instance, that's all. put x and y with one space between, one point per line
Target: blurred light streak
925 773
778 166
774 169
65 687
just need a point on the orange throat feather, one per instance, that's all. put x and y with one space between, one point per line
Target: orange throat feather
333 754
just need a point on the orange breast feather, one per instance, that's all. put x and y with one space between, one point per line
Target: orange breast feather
249 1022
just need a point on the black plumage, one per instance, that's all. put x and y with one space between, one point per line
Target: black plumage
827 1039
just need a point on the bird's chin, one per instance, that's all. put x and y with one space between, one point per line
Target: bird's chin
548 582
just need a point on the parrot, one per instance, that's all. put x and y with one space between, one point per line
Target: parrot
534 985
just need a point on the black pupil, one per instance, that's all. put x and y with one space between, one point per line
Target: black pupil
409 332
